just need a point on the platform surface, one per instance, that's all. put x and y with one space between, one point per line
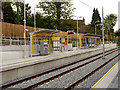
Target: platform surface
54 55
110 79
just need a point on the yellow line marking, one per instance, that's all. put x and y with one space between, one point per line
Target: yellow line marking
24 63
105 75
29 61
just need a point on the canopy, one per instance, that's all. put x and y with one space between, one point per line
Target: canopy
94 35
44 31
41 32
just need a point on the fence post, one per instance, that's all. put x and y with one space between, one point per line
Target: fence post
18 40
10 41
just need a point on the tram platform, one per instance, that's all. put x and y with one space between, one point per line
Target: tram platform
12 69
55 54
110 80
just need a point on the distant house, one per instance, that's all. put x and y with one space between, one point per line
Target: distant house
81 25
81 21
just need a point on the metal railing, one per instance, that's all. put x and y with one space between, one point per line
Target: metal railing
14 41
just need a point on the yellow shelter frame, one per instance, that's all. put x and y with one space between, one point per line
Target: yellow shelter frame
40 33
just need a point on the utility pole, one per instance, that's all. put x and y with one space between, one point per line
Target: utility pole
77 32
24 31
34 21
103 32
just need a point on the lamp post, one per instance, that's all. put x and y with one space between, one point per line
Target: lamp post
77 30
34 21
103 32
24 31
35 18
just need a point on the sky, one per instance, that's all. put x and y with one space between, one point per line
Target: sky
86 11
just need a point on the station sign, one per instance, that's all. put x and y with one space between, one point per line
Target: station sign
55 38
45 40
24 36
63 40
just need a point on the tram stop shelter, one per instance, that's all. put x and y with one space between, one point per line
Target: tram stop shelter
90 40
40 41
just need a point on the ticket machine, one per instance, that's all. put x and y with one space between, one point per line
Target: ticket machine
44 47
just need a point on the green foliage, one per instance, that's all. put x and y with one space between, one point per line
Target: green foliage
68 25
8 13
109 23
72 25
96 19
117 33
44 21
90 29
17 4
29 20
56 11
17 17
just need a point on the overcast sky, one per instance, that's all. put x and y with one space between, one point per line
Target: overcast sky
110 6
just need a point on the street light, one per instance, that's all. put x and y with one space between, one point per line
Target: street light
34 21
24 31
77 30
103 32
35 18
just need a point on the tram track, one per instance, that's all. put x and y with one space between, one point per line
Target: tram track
63 73
44 81
88 75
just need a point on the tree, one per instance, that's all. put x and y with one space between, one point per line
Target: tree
56 11
90 29
44 21
17 4
28 14
117 33
96 19
110 22
69 25
8 13
72 25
